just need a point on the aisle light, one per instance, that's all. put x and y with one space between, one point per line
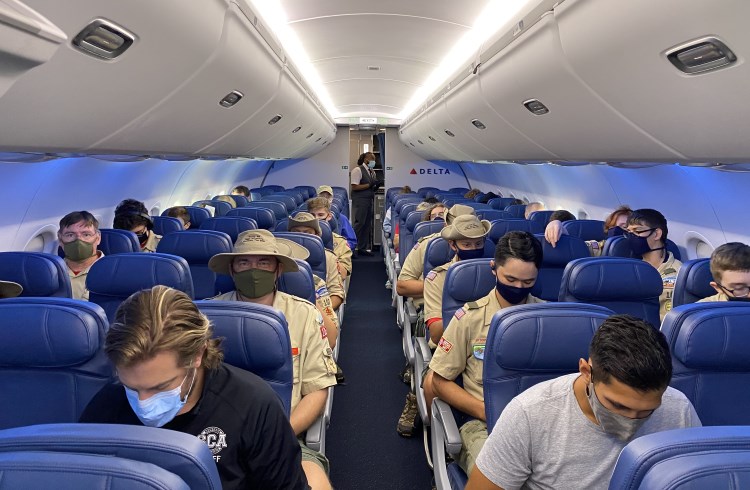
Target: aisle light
494 17
276 21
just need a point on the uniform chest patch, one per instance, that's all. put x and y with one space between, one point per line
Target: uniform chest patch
478 351
668 282
215 439
459 313
323 331
431 276
445 345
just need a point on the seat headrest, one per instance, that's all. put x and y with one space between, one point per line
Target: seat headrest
710 335
197 215
299 283
39 274
123 274
278 208
50 332
567 248
118 241
493 214
502 226
195 246
693 282
469 280
164 225
263 217
424 228
610 279
231 225
585 229
438 252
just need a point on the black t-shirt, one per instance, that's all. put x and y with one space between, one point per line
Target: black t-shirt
241 420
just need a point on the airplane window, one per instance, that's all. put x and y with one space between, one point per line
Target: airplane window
156 210
583 214
697 246
44 240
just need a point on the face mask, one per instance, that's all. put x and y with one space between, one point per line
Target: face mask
613 423
734 298
615 231
160 408
142 237
437 218
477 253
638 244
512 294
78 250
255 283
371 164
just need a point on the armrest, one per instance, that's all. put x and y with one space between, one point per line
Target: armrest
406 340
423 348
419 367
329 407
315 438
411 311
445 436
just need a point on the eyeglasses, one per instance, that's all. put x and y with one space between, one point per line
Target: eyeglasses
85 236
740 292
639 232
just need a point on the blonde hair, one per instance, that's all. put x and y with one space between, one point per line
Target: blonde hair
318 203
157 320
227 199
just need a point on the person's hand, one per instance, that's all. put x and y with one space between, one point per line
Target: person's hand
553 232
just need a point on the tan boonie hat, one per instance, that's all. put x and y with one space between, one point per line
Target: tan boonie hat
458 210
325 188
304 219
260 242
9 289
466 227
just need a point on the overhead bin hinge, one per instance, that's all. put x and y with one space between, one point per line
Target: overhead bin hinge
701 55
103 39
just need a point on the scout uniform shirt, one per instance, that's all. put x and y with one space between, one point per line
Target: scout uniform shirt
434 282
78 281
668 271
595 247
323 300
314 367
715 297
343 252
461 349
152 242
333 277
413 266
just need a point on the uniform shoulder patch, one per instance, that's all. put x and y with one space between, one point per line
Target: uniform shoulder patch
472 305
445 345
459 313
321 291
431 276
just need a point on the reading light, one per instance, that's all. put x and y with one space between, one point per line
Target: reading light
230 99
296 129
433 139
275 119
309 136
478 124
450 133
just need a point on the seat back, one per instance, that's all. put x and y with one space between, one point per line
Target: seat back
422 191
340 191
406 233
459 190
256 339
299 283
585 229
478 206
288 200
325 231
528 344
628 286
197 215
118 241
438 252
500 203
539 220
618 246
278 208
52 359
197 247
262 191
467 280
314 245
274 188
113 278
493 214
426 228
39 274
231 225
221 208
450 201
176 452
709 344
164 225
239 200
693 282
555 259
310 190
699 457
264 217
502 226
516 210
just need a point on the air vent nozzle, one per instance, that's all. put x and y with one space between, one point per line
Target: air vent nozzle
535 107
231 98
701 55
103 39
275 119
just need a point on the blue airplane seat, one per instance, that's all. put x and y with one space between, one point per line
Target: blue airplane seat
274 188
693 282
585 229
426 228
341 191
539 220
554 261
502 226
478 198
623 285
197 247
239 200
466 280
289 201
709 344
176 452
264 218
459 190
695 457
493 214
117 242
113 278
403 209
279 208
500 203
221 208
451 201
618 247
261 191
39 274
438 252
52 359
325 230
197 215
517 210
71 471
231 225
256 338
164 225
479 206
314 245
311 191
406 233
422 191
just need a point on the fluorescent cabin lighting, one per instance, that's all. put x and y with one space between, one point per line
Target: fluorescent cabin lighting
495 15
276 20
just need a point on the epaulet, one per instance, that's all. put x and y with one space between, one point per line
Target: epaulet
301 300
473 305
336 235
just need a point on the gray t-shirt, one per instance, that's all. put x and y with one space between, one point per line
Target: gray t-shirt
544 441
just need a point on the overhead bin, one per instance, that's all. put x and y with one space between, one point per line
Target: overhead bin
618 48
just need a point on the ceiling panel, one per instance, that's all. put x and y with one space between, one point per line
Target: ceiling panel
384 92
355 67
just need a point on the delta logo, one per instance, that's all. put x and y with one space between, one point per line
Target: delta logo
430 171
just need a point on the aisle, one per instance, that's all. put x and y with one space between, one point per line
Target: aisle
363 446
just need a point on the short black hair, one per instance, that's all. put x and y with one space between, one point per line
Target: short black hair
241 189
561 215
633 352
520 245
651 218
87 218
130 214
431 200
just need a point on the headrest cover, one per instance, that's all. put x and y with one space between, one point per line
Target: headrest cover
470 279
716 338
567 249
612 279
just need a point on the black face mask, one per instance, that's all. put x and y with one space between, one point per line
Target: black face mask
142 237
734 298
512 294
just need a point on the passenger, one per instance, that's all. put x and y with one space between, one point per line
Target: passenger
422 206
435 212
255 265
227 200
241 190
181 214
614 225
387 227
364 184
320 207
133 216
460 351
568 432
307 223
345 227
730 268
531 207
171 375
561 215
472 193
79 238
10 289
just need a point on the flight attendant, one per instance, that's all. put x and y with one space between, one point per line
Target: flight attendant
364 184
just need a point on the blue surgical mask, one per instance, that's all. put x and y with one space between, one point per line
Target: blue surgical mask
476 253
160 408
371 164
512 294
